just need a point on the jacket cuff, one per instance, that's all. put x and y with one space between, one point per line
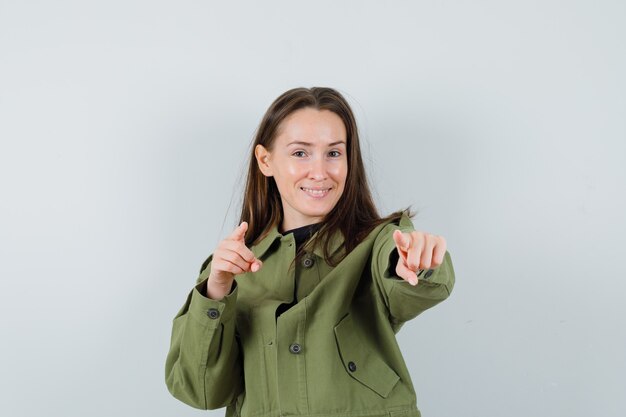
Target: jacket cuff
210 312
389 257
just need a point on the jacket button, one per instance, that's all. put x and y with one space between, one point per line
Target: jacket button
308 262
351 366
295 348
428 273
213 313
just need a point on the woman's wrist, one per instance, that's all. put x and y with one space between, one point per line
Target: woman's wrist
216 290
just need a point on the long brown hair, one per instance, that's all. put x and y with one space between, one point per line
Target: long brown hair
355 214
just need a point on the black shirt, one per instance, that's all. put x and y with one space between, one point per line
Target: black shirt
300 234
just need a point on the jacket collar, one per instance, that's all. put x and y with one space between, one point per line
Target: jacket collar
260 248
263 246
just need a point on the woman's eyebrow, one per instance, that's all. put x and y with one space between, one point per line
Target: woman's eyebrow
310 144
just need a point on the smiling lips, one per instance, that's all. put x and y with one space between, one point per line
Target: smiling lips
316 192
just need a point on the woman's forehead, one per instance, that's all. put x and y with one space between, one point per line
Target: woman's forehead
312 127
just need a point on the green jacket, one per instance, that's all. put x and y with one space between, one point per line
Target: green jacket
334 353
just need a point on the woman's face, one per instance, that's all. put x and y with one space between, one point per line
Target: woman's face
309 164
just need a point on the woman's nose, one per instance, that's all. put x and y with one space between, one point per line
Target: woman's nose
318 169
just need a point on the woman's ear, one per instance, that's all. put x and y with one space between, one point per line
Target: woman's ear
262 158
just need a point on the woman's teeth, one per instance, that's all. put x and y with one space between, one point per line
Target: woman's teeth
315 193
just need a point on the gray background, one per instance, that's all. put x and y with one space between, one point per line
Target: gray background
124 128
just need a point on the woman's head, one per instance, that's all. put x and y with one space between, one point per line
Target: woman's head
285 178
307 159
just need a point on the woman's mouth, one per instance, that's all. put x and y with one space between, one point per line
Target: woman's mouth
316 192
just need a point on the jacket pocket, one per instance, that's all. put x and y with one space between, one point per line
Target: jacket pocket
362 361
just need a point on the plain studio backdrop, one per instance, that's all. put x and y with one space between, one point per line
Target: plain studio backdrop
125 127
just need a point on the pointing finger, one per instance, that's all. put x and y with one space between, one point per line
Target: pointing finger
402 241
244 253
414 255
240 232
406 274
240 248
399 239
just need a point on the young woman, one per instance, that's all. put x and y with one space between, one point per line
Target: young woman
296 312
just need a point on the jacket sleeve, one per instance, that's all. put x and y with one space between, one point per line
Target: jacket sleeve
204 367
403 300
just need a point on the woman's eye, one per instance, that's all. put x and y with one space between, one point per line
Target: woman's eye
296 153
336 153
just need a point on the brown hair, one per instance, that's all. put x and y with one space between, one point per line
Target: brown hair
355 214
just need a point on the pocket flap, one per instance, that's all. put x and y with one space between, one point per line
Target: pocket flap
362 361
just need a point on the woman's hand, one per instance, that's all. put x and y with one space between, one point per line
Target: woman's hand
417 250
232 257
